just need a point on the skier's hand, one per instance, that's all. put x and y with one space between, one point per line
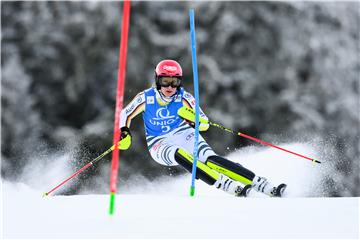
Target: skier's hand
125 138
202 127
188 114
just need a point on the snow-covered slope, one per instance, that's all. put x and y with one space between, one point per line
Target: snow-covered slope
179 216
163 209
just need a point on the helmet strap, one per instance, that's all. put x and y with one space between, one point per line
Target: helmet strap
157 83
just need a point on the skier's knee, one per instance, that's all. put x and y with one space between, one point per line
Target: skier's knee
230 169
203 172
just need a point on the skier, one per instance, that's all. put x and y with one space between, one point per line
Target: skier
170 138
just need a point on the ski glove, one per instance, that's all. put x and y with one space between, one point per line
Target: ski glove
188 114
125 138
202 127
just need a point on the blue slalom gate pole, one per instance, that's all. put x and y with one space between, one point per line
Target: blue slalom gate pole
196 92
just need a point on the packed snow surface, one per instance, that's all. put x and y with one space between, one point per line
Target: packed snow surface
164 209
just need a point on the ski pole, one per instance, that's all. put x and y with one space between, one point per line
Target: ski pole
189 114
260 141
81 170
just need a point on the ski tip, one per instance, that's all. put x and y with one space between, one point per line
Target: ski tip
245 191
280 190
45 194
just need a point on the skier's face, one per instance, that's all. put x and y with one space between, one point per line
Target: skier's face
168 91
169 85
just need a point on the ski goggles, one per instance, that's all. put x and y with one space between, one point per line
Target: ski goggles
170 81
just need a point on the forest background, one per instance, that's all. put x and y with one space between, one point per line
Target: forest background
280 71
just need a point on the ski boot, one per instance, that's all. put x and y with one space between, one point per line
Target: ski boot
261 184
231 186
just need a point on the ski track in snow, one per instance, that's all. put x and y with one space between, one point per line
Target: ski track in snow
164 209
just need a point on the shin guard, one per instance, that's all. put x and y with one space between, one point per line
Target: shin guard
232 170
203 172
